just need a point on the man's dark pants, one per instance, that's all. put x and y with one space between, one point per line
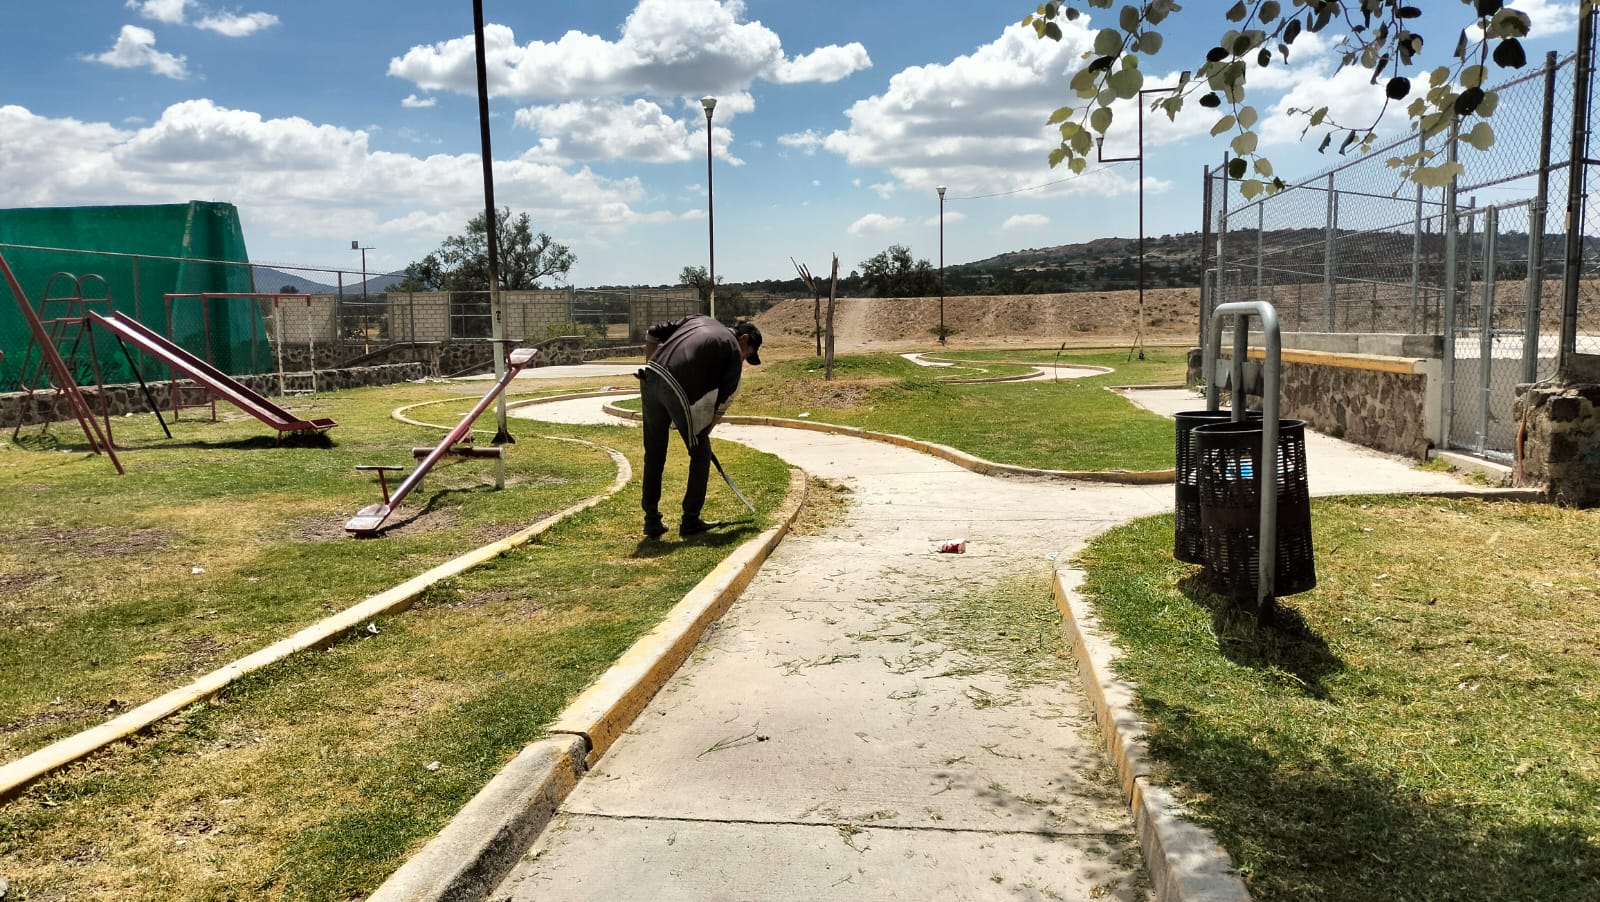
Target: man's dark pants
663 414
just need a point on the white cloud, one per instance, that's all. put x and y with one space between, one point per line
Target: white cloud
806 142
667 47
640 131
170 12
1025 221
825 64
883 189
301 186
876 223
136 49
1351 99
413 102
235 25
976 123
949 217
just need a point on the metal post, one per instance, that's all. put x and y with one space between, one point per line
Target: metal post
1267 554
1205 250
710 103
1220 295
1329 291
1486 335
1261 231
491 226
1447 368
1534 291
1416 247
941 264
1576 174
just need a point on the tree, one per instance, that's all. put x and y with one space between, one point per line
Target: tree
1381 36
462 261
288 289
893 274
697 278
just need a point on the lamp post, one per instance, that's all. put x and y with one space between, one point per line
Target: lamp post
491 221
941 264
357 246
1099 154
710 103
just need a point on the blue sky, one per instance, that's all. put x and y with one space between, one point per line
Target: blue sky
357 120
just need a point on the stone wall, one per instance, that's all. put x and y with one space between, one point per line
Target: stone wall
17 407
1559 440
1380 401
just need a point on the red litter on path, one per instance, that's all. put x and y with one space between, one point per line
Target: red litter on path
953 546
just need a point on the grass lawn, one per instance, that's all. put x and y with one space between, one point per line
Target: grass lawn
1421 726
1074 424
314 778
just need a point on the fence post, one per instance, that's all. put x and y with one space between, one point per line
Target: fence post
1448 326
1534 291
1576 173
1261 231
1491 234
1416 246
1220 294
1205 251
1329 291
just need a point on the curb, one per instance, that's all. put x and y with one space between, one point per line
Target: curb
475 851
1185 862
23 771
959 458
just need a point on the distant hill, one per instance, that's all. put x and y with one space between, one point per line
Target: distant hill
269 280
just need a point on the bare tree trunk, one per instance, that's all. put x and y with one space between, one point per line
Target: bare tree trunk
833 293
816 318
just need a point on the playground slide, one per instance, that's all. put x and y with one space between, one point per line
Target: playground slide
216 381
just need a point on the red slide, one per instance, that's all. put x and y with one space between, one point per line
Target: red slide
216 381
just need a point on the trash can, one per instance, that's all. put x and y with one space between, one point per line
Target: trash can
1187 543
1229 487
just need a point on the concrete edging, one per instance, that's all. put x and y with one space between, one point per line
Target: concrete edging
475 851
945 452
1185 861
23 771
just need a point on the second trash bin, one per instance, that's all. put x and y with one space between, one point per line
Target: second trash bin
1188 545
1228 468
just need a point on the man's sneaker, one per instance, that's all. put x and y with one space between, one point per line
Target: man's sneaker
654 528
693 526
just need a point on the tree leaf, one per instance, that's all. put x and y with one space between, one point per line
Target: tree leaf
1268 12
1237 168
1100 119
1060 116
1237 12
1244 144
1108 41
1508 54
1150 42
1222 125
1481 137
1129 19
1251 188
1247 117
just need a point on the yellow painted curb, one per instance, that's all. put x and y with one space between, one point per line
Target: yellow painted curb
1185 861
604 710
25 770
959 458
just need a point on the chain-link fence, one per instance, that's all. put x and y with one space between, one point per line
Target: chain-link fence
1479 263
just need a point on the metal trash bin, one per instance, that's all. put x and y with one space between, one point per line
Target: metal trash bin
1229 486
1187 544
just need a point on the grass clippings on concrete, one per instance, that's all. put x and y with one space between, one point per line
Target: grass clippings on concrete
1419 726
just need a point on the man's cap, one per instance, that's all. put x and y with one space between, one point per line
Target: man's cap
749 329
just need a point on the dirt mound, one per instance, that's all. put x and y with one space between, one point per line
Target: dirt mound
1080 318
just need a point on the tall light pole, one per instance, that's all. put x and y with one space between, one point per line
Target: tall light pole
710 103
357 246
1099 154
491 223
941 264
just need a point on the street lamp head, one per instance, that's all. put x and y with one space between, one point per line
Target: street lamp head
355 245
940 189
710 103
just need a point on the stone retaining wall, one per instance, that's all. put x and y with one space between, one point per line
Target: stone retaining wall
1377 401
1559 443
16 407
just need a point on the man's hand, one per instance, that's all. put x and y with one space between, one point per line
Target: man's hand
650 347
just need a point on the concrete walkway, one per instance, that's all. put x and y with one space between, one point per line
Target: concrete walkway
823 743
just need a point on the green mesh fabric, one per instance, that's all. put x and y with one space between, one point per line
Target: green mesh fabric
135 255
